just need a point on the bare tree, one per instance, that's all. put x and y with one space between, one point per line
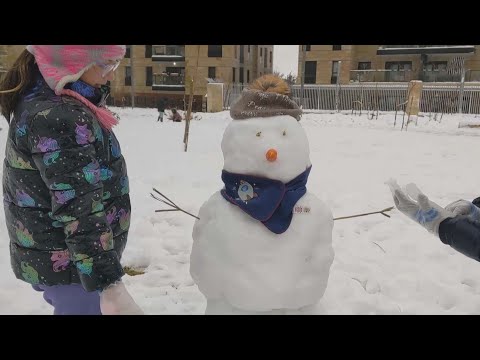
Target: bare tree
132 77
189 109
290 79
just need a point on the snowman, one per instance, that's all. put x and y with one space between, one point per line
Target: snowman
263 243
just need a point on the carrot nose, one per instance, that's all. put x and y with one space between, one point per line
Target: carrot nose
271 155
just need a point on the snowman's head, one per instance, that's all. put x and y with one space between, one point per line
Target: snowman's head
273 147
265 138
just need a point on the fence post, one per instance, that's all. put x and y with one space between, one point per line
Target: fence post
470 103
318 98
215 97
304 49
337 94
460 95
414 93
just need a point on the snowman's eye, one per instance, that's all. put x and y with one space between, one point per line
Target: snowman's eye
284 132
259 133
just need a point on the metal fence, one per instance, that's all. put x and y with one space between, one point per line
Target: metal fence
435 97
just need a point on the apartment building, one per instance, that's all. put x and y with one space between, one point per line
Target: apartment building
165 71
329 64
8 55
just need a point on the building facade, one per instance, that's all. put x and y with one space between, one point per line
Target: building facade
165 71
8 55
329 64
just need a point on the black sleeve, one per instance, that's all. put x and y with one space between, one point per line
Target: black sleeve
476 202
462 234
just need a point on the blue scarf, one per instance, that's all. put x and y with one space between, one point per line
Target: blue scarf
97 96
269 201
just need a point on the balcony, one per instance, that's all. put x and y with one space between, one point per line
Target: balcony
168 53
472 75
408 75
382 75
438 76
169 82
425 49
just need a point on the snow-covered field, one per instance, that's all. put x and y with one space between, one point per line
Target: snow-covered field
382 265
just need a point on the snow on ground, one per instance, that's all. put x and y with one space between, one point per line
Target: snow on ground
382 265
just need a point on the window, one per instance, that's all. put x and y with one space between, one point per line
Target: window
334 78
175 70
172 75
310 72
399 70
248 76
248 48
271 58
365 65
434 71
241 74
398 65
214 50
148 51
435 66
265 58
308 47
127 53
242 54
364 75
235 50
233 74
336 47
159 50
148 76
261 54
128 76
177 50
211 72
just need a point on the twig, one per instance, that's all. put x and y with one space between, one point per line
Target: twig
170 203
158 192
186 212
165 202
382 212
373 242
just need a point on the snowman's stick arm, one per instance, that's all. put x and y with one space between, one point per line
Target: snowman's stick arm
382 212
158 192
186 212
171 203
165 202
178 209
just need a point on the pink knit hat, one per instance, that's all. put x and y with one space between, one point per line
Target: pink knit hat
62 64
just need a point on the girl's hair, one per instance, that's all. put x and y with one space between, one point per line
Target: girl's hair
14 83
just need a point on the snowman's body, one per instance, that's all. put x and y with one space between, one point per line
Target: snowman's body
237 262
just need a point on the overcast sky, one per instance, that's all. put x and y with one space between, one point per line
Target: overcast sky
285 59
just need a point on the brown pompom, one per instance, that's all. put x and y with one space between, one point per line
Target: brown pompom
270 83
